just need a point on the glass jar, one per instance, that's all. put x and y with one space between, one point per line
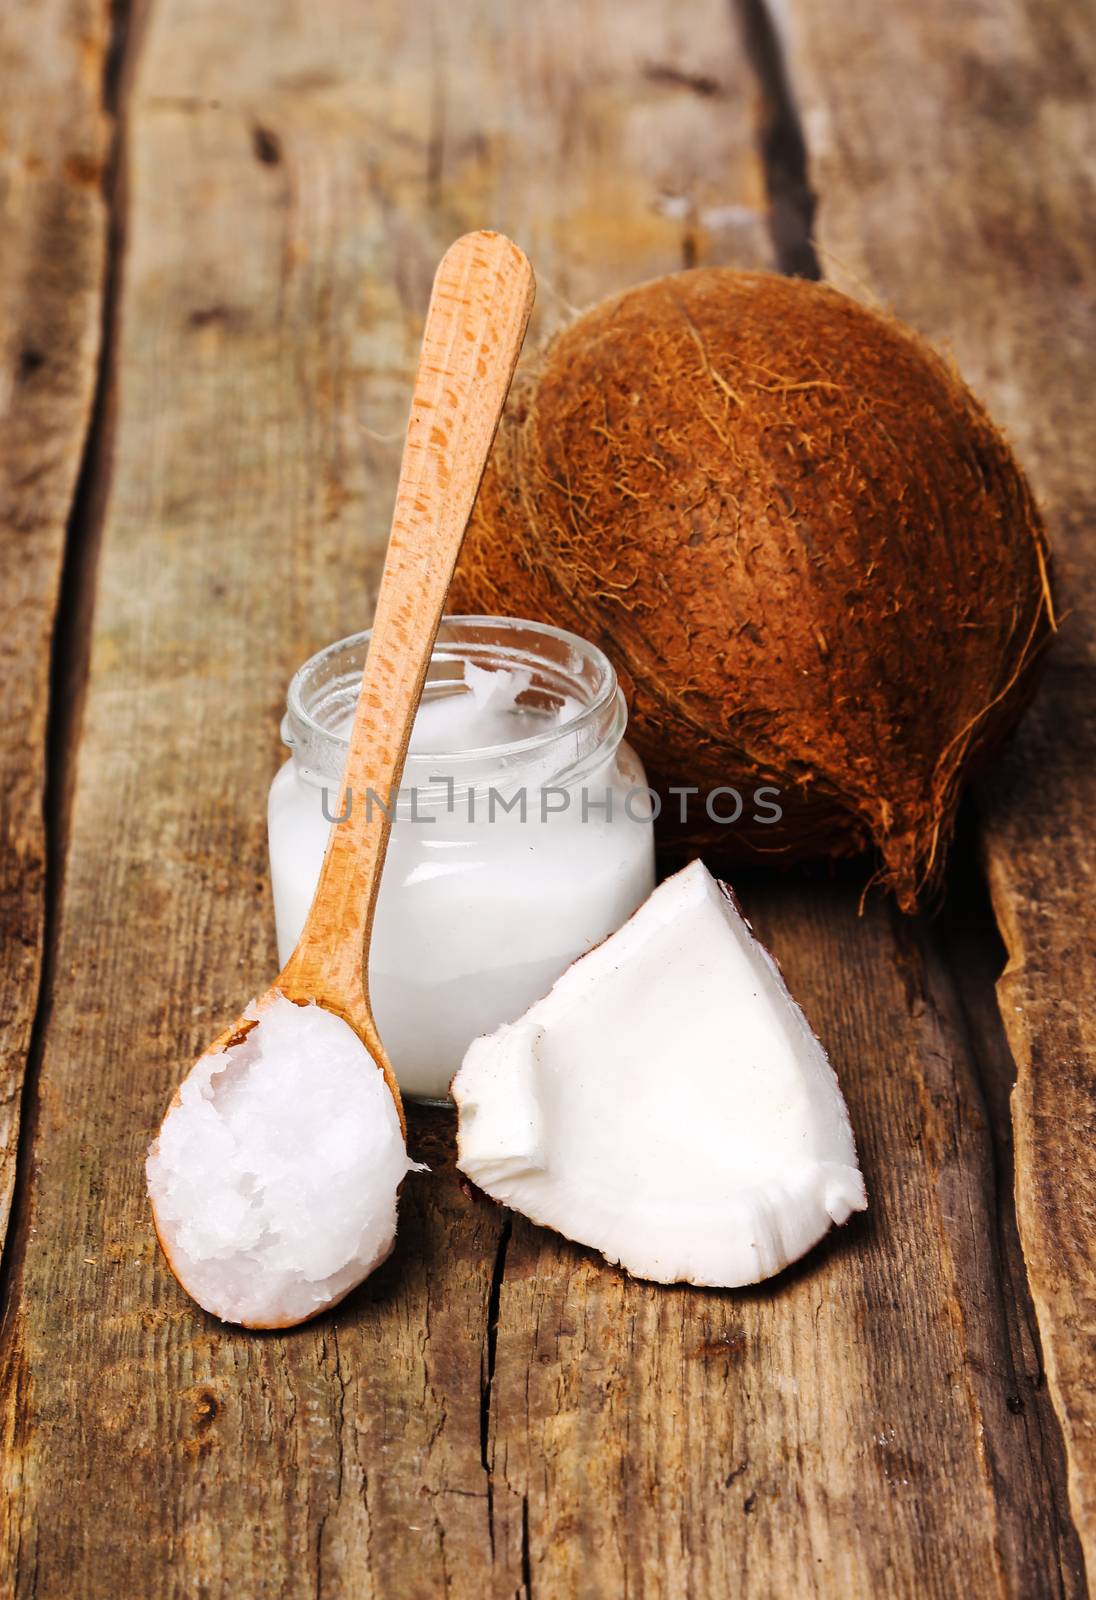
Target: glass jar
506 861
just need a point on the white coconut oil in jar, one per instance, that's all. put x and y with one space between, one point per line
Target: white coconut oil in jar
521 834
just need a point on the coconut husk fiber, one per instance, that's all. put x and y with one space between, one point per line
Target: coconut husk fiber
808 551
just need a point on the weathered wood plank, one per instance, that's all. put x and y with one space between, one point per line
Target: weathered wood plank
293 176
956 182
965 954
53 144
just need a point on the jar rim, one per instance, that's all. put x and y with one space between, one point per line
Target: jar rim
603 695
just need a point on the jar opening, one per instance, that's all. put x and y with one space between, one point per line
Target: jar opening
561 676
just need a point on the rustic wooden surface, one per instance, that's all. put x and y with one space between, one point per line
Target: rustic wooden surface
498 1413
54 141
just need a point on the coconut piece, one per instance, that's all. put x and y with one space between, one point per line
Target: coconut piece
806 548
666 1102
275 1175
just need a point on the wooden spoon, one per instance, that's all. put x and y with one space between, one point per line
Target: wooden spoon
480 304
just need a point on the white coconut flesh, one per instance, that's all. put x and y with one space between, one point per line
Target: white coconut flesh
666 1102
274 1179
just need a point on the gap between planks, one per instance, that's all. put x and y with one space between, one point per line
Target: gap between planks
71 622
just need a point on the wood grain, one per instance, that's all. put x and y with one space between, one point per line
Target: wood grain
497 1413
54 139
956 183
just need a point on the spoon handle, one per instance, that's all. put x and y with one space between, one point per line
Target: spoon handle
479 308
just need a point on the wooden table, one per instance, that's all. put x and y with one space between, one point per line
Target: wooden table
219 223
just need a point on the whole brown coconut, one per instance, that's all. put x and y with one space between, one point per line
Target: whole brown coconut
805 546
